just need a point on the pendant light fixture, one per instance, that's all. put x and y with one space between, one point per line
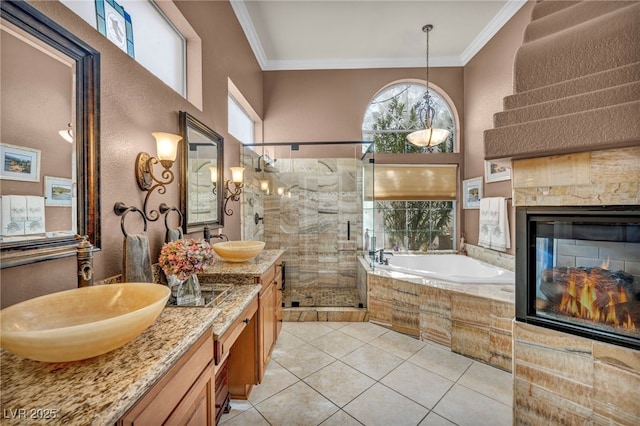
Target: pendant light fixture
429 137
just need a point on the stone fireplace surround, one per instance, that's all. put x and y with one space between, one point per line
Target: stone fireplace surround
571 133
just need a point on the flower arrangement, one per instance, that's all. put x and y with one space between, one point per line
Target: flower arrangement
185 257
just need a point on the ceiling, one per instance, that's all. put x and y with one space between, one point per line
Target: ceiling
346 34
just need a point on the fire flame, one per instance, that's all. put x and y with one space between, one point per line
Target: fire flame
583 301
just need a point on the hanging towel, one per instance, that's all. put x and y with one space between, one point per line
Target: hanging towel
494 224
18 207
137 260
173 234
35 215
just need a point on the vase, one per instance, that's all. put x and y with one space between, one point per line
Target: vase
187 291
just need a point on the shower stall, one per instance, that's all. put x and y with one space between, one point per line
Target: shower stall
307 199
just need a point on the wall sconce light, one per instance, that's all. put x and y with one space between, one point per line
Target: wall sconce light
214 178
67 134
264 186
167 150
237 179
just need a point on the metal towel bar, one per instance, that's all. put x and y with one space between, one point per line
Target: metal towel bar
120 209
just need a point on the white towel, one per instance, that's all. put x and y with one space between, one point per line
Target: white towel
18 207
35 215
494 224
35 208
137 259
13 221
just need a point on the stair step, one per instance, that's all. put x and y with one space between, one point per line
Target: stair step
603 43
569 17
599 98
601 128
597 81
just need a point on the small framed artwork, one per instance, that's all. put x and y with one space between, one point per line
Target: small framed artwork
115 24
58 191
494 172
19 163
471 193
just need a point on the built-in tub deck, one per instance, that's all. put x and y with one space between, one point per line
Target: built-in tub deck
474 320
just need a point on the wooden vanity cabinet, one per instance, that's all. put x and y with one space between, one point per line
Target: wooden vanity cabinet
238 346
270 313
185 395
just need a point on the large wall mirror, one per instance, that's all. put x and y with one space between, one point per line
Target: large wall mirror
202 185
49 167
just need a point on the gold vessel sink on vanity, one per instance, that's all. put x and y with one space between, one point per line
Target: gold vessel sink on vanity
238 251
80 323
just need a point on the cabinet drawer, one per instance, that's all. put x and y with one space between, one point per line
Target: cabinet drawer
223 345
268 276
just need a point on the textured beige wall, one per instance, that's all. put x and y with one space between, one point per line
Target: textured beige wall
133 104
488 78
329 105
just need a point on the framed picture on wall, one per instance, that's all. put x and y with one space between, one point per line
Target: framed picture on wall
471 193
494 172
115 24
19 163
58 191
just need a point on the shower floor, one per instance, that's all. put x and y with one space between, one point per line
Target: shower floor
322 297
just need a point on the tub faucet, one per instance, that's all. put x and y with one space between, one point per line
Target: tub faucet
84 254
381 258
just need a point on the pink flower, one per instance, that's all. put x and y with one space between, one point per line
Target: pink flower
185 257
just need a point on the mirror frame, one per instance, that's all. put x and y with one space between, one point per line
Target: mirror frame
87 131
188 121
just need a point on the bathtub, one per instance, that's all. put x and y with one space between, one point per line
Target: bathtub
448 267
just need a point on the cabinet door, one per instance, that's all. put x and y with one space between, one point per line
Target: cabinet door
278 303
197 407
268 320
181 393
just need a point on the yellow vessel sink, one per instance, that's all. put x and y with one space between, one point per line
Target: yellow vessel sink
238 251
80 323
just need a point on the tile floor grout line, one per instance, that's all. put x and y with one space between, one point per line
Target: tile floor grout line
364 332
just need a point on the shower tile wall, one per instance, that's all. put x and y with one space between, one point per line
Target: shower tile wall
321 196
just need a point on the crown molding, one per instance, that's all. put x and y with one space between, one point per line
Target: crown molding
360 63
502 17
240 9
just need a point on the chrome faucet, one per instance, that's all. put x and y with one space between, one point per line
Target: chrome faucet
84 254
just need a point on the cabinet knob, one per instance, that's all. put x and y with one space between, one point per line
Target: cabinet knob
246 321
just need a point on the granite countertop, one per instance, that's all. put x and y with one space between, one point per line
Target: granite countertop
255 267
232 307
98 391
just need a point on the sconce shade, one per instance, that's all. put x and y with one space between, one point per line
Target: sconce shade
214 174
167 146
237 174
67 134
428 137
264 185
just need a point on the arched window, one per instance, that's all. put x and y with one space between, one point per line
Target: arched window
411 206
392 115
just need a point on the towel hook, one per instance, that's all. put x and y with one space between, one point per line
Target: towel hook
120 209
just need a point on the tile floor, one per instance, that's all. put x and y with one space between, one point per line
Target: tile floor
340 373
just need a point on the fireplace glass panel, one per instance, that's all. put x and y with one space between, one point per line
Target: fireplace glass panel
587 274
